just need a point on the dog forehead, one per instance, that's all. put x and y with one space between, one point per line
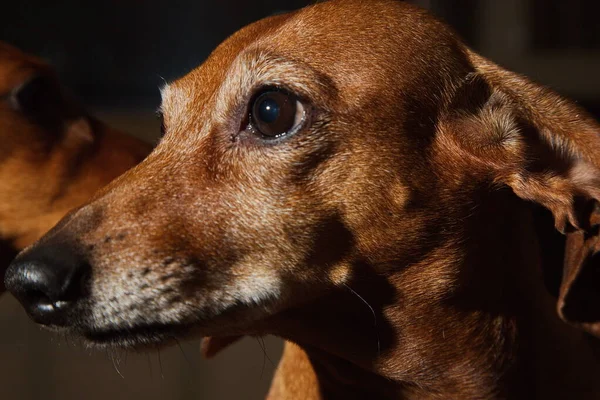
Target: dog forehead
385 50
368 45
354 42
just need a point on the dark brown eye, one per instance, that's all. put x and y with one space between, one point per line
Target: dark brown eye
161 119
275 113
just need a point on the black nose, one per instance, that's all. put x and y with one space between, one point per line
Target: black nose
48 281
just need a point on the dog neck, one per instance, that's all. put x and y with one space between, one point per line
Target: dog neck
490 333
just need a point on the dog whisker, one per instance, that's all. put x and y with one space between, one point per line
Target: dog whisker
374 316
68 343
264 346
262 369
183 352
150 366
113 358
162 375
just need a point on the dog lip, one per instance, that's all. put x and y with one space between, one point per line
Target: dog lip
135 336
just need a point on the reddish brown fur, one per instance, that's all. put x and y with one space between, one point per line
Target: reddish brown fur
44 174
394 227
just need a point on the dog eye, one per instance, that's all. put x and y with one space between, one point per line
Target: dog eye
161 119
275 113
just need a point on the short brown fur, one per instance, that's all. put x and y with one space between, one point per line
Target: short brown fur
392 242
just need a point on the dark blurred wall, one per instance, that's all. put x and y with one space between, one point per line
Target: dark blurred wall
554 42
117 52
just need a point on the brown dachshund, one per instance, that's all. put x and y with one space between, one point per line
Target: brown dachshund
350 177
53 156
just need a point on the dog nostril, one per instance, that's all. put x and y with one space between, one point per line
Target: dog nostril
44 304
48 284
39 298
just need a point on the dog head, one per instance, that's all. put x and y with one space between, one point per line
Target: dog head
53 156
343 144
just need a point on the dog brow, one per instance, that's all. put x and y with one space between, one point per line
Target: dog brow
249 71
175 100
257 68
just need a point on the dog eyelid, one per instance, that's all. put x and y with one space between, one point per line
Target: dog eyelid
161 118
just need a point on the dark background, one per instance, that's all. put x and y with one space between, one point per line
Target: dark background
115 54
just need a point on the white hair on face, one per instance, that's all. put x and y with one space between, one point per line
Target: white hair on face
254 290
154 296
256 68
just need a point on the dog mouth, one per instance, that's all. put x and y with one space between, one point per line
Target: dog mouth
151 337
219 332
97 328
135 337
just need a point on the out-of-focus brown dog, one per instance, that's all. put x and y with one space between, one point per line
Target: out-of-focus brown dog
352 178
53 155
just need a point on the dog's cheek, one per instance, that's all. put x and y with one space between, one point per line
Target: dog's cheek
271 256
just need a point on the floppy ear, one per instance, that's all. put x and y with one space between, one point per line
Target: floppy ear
548 151
579 301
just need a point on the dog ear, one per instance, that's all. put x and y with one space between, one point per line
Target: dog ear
579 301
40 99
547 150
43 101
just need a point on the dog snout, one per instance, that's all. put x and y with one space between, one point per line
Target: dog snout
48 281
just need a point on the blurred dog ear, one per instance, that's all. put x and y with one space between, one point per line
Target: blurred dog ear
40 99
43 101
548 151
